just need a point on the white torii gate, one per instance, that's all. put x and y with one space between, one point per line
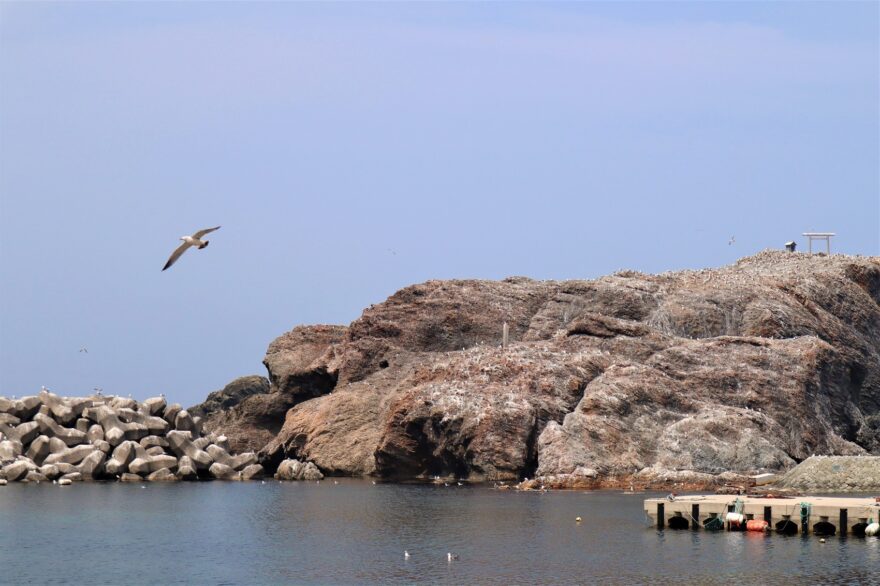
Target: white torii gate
826 236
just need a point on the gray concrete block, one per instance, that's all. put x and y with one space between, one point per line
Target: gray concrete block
49 427
130 477
156 451
162 475
58 407
223 442
9 450
34 476
252 472
154 440
184 422
92 465
103 446
171 412
121 458
149 465
72 476
56 445
155 406
222 471
154 425
9 419
94 433
73 455
15 471
218 454
50 471
39 449
180 445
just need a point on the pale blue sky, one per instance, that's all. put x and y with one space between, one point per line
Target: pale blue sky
485 140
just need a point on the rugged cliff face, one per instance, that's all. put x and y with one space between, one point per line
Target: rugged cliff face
754 366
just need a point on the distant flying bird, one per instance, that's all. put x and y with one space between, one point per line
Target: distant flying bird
84 349
194 240
731 241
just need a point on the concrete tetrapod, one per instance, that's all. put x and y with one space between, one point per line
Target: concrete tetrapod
23 408
92 465
95 432
68 435
186 470
115 430
155 425
50 471
162 475
24 433
251 472
154 440
122 457
10 450
154 406
73 455
150 464
181 445
171 412
9 419
16 471
34 476
39 449
184 422
222 471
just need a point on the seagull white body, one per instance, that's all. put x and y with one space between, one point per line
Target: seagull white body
189 241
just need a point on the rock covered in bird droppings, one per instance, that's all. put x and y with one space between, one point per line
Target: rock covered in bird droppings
295 470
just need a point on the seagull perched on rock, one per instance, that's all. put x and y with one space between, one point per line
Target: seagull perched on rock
194 240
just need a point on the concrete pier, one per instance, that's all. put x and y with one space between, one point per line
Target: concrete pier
802 514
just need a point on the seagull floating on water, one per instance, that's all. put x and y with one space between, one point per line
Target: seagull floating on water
405 555
450 557
194 240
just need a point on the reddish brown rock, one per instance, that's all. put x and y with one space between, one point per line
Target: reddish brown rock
749 367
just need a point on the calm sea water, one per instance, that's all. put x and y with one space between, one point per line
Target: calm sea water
355 533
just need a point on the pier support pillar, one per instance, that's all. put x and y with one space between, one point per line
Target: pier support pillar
768 515
661 515
695 517
844 524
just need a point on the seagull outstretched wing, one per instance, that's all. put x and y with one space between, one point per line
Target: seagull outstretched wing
201 233
176 254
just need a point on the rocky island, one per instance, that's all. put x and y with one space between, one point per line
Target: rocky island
687 378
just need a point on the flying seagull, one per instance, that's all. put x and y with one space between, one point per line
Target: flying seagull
194 240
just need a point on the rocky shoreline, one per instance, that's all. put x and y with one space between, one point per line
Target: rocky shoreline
691 380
